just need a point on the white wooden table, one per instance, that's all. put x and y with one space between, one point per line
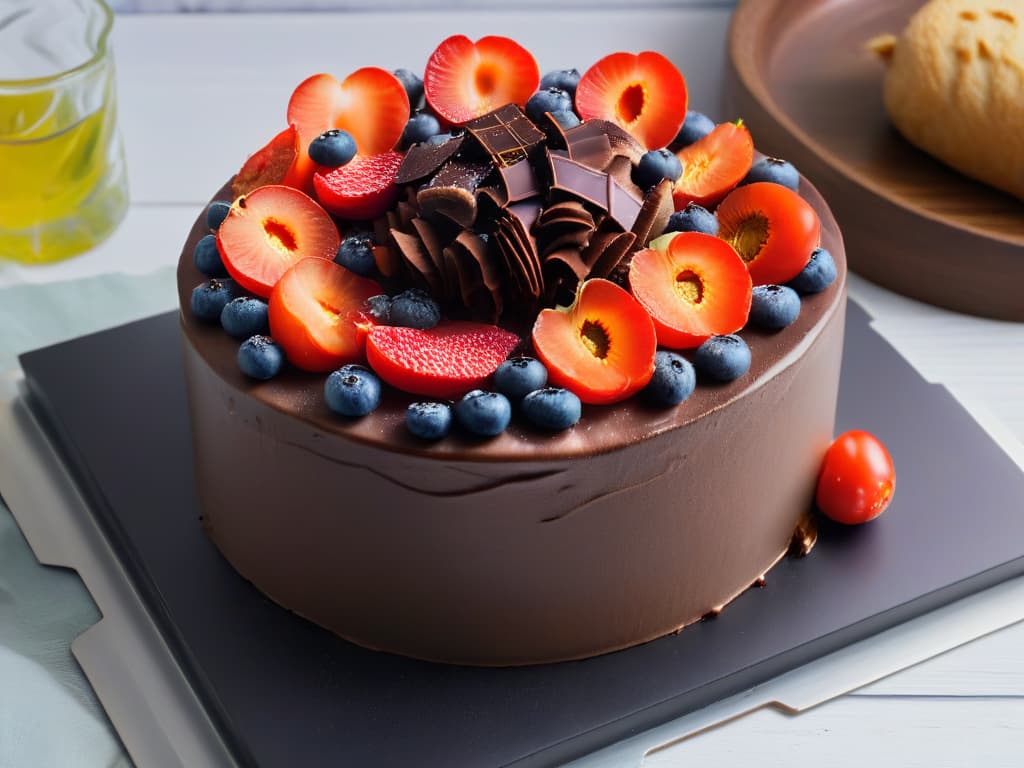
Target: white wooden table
198 93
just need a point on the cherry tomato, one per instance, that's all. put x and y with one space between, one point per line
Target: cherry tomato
857 479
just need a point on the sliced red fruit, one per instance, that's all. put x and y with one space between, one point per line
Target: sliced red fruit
602 347
772 228
269 230
697 288
316 314
464 79
446 361
272 164
363 189
371 104
642 92
713 165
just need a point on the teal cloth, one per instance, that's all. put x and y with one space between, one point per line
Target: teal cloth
49 716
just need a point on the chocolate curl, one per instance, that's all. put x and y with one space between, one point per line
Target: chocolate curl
479 276
564 225
610 261
519 249
431 240
564 269
654 215
452 192
418 261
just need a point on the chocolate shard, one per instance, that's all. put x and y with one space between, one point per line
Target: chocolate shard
520 181
622 171
506 134
424 159
573 180
588 143
623 205
654 214
452 191
623 142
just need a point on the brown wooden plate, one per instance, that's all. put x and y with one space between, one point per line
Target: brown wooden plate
800 76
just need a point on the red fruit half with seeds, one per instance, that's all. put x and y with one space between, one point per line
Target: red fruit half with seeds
601 348
642 92
271 229
772 228
446 361
363 189
316 314
699 287
464 79
371 104
713 165
274 163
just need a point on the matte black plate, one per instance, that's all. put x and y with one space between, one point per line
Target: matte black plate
286 693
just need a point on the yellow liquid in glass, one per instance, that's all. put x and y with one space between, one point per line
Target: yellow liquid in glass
62 186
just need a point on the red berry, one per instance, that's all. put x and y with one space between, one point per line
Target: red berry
446 361
464 79
269 230
316 314
371 104
601 348
697 288
271 164
643 92
363 189
772 228
713 165
857 479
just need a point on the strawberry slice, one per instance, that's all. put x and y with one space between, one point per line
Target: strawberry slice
696 288
446 361
464 79
601 348
269 230
713 165
772 228
316 314
274 163
371 104
642 92
363 189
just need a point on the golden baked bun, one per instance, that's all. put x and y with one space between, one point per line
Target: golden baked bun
954 86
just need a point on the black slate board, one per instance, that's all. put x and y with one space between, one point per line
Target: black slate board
284 692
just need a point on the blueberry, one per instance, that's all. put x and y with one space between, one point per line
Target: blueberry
216 212
722 358
356 254
430 421
379 308
696 126
519 375
421 126
656 165
773 306
413 85
260 357
774 170
547 100
333 148
207 258
414 309
483 413
552 408
673 380
818 275
566 118
352 390
563 79
693 218
209 298
245 316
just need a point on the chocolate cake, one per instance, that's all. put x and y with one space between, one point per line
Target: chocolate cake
531 546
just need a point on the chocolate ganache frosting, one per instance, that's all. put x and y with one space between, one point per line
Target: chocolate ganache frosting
528 547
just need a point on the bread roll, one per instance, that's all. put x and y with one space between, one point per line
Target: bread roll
954 86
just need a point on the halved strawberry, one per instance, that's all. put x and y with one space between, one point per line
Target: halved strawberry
713 165
464 79
643 92
362 189
446 361
316 314
602 347
772 228
269 230
371 104
696 288
274 163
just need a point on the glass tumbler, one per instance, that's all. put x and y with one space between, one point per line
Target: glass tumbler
63 184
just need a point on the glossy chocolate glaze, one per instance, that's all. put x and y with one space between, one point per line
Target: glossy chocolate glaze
528 547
